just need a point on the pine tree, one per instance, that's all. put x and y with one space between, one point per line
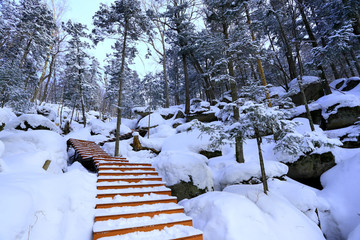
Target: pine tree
77 65
125 21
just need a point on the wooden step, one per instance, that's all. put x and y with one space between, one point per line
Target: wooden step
135 203
130 186
139 214
126 168
133 180
127 173
125 194
147 228
124 164
192 237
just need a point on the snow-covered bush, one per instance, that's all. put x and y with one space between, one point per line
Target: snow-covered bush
294 142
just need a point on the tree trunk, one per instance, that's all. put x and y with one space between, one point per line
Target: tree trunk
309 31
43 99
299 80
356 63
335 71
349 65
118 120
26 52
258 61
187 85
262 165
167 100
288 54
239 152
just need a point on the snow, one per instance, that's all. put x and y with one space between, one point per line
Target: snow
155 120
237 173
175 232
46 206
54 204
6 115
33 120
254 215
342 190
121 223
306 80
29 150
136 209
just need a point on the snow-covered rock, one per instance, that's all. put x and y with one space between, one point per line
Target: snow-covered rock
32 121
312 87
253 215
155 120
249 172
6 115
29 150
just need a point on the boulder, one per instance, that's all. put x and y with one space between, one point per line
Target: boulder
316 117
2 125
310 166
32 121
351 83
202 117
209 154
344 117
142 112
184 190
46 112
313 91
179 114
167 116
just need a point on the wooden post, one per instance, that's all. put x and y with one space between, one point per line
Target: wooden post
46 165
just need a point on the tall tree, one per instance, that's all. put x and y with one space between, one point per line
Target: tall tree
77 61
124 21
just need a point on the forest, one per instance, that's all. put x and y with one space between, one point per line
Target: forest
207 49
248 110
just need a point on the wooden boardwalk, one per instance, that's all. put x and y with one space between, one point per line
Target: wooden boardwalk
132 200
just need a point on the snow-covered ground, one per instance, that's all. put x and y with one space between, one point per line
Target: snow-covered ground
59 203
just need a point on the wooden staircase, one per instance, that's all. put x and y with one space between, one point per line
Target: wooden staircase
132 200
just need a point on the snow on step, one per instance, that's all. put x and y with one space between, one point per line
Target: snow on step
142 176
122 223
128 170
137 209
126 184
122 199
129 190
177 231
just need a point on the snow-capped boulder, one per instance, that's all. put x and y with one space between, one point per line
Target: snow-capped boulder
182 167
46 112
337 110
253 215
346 84
202 117
313 89
311 166
6 115
344 117
185 173
249 173
142 111
32 121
